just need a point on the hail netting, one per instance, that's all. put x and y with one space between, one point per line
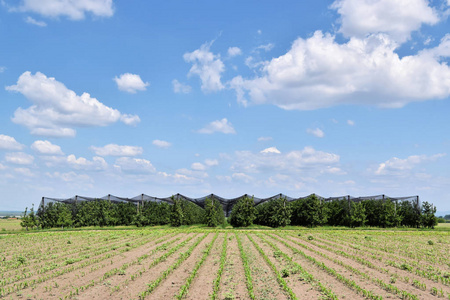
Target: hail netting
227 203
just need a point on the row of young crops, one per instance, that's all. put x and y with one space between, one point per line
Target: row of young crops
199 263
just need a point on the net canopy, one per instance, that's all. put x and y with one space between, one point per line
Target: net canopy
227 203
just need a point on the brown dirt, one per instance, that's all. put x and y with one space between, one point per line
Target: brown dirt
301 288
203 284
395 272
76 279
171 286
233 276
338 288
265 285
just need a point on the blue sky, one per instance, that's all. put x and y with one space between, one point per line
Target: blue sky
259 97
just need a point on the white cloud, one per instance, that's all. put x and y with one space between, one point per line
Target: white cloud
207 66
351 122
117 150
70 177
130 120
234 51
396 18
130 83
47 148
292 162
24 172
97 163
316 132
211 162
161 144
318 72
19 158
9 143
266 47
180 88
134 165
265 138
2 167
271 150
218 126
2 69
398 166
242 177
55 109
74 10
32 21
198 166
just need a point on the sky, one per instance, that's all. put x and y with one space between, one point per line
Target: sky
345 97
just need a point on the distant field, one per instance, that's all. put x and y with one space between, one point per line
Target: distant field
201 263
10 224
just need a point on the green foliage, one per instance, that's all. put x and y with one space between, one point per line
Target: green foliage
358 215
274 213
29 220
176 216
428 219
309 211
213 213
243 213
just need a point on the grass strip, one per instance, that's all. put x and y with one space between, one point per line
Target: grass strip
187 284
326 291
280 279
248 274
223 259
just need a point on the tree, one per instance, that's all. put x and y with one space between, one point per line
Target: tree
358 215
243 213
29 220
428 219
210 213
281 213
176 216
309 212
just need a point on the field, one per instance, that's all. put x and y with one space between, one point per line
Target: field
201 263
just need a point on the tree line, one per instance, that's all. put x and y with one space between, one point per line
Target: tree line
309 211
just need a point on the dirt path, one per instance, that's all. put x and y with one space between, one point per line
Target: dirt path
171 286
338 288
202 286
301 288
232 284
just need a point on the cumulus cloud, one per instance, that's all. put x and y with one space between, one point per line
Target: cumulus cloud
291 162
130 83
208 66
180 88
55 109
32 21
398 19
265 138
69 176
271 150
46 148
316 132
319 72
130 120
351 122
161 144
134 165
96 164
234 51
266 47
117 150
242 177
222 126
211 162
74 10
399 166
19 158
198 166
9 143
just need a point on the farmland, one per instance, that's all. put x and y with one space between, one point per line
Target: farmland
201 263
